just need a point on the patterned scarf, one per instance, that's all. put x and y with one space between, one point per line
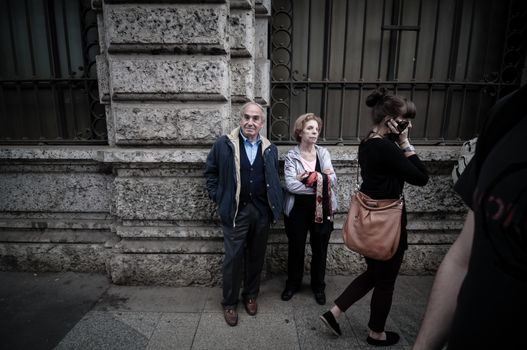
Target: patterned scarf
322 185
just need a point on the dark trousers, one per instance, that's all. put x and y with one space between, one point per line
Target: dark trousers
381 276
301 219
244 244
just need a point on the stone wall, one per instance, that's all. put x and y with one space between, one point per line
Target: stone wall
143 214
173 76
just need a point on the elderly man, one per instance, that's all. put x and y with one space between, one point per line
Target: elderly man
242 179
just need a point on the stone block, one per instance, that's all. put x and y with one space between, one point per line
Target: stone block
55 192
262 82
241 4
102 78
166 269
180 28
241 33
242 80
110 124
169 77
164 1
101 33
423 259
148 156
168 230
166 198
261 45
437 196
170 246
262 7
53 257
167 123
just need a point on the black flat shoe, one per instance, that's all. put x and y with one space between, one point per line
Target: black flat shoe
320 298
331 323
391 339
287 294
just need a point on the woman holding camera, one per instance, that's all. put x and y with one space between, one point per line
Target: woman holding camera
387 160
309 204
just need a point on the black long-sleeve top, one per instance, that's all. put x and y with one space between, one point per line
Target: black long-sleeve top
385 169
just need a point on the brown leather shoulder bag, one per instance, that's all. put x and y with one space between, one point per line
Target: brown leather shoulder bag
373 226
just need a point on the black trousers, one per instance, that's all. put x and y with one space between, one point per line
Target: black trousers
381 276
244 244
301 219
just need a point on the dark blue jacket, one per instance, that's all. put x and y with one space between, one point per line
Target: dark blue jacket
223 176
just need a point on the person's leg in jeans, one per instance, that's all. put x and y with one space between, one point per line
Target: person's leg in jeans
255 252
355 291
296 227
319 235
385 274
233 243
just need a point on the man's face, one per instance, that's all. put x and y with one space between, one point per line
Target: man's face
252 122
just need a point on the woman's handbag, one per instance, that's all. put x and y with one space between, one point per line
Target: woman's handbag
373 226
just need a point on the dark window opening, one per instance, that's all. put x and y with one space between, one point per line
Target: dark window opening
48 79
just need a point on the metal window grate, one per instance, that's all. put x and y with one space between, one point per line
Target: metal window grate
453 58
48 80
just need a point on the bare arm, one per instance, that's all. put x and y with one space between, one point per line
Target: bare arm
443 297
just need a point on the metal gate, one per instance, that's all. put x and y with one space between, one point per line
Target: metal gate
453 58
48 79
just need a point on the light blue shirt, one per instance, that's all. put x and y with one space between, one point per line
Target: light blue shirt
251 148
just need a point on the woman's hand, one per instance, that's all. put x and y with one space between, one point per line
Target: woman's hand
403 136
302 176
328 171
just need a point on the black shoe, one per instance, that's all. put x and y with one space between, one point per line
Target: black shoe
331 323
320 297
288 294
391 339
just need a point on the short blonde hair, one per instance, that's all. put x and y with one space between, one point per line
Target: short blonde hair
301 121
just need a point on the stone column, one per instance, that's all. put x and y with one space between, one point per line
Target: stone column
164 73
176 74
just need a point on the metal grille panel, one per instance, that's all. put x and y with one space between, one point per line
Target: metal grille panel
48 80
453 58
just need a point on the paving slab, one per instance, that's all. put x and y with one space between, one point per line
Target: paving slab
263 331
111 330
175 331
134 317
38 309
154 299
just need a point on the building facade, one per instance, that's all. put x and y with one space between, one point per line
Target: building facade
171 77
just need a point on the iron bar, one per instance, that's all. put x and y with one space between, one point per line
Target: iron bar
434 45
30 39
416 52
452 64
381 42
343 76
393 41
364 18
326 62
12 38
66 37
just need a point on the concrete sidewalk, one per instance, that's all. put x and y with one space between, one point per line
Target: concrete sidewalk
84 311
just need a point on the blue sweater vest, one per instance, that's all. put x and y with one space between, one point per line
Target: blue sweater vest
253 185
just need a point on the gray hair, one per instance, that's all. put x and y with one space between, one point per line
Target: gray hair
242 110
